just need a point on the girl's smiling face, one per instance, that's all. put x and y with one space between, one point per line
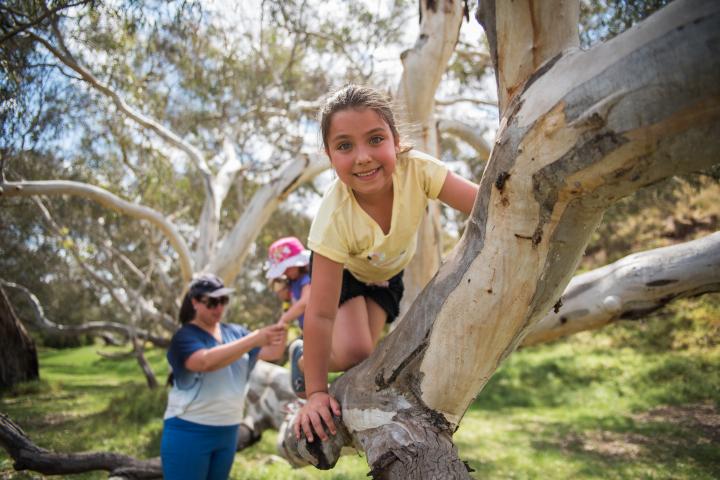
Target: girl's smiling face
363 150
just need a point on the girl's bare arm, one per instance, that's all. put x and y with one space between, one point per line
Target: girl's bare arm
319 318
458 193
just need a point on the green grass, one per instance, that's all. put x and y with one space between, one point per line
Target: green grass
635 401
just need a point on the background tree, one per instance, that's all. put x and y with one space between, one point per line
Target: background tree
19 356
535 61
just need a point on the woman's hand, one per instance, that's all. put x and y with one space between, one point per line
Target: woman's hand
319 408
272 335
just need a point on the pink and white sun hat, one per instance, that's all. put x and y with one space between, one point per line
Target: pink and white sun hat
285 253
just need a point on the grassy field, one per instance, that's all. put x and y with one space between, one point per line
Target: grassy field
635 401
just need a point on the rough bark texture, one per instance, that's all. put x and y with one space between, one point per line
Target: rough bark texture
585 129
28 456
18 357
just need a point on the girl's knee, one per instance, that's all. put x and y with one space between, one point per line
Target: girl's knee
358 352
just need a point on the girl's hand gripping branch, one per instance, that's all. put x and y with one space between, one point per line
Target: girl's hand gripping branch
319 409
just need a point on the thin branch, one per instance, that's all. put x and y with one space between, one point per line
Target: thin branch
92 328
96 277
475 101
467 133
195 155
22 27
109 200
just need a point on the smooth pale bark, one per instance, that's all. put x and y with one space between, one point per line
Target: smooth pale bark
472 135
423 67
108 200
633 287
269 400
523 35
228 261
587 129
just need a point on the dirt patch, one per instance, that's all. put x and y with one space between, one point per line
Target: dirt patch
703 418
608 444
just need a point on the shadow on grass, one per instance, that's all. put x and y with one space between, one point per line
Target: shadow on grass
676 444
529 382
117 414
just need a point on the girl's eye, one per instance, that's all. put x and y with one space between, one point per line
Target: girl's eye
343 146
376 139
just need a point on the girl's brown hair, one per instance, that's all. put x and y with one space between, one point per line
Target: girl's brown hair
357 97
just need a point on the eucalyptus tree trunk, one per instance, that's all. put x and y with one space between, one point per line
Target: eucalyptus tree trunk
18 356
579 130
423 67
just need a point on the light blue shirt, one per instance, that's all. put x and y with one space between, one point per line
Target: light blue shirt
208 398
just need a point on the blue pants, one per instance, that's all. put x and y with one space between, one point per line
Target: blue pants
190 451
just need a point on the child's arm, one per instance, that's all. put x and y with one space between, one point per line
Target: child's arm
274 351
458 193
297 308
211 359
319 319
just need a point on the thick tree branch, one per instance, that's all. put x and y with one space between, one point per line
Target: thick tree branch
234 248
632 288
523 35
28 456
109 200
423 67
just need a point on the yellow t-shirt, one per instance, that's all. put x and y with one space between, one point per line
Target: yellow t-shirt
343 232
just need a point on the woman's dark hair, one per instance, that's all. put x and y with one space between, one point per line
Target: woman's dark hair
187 311
356 97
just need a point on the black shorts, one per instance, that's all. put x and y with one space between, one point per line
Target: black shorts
387 297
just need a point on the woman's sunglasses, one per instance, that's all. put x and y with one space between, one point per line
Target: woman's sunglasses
212 302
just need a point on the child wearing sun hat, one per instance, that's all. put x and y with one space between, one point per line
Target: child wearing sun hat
288 257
